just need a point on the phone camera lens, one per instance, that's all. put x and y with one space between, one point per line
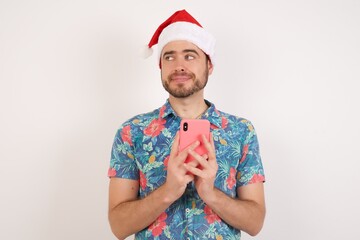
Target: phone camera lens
185 126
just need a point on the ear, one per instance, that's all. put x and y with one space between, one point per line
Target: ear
210 66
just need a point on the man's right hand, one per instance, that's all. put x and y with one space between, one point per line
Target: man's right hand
129 214
177 175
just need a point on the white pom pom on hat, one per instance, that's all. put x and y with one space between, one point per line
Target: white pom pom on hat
146 52
182 26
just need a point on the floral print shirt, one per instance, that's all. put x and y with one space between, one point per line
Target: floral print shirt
141 152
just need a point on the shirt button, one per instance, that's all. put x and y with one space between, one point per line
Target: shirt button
187 238
187 210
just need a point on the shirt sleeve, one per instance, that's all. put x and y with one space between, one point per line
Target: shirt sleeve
122 162
250 168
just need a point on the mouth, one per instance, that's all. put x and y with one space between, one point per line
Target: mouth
180 78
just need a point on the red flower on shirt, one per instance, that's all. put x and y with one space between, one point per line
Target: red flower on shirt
111 172
166 162
162 110
224 122
143 180
155 127
159 225
257 178
244 152
126 135
231 179
210 216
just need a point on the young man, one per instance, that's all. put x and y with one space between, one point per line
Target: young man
153 192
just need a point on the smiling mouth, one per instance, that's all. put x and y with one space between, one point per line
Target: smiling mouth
180 78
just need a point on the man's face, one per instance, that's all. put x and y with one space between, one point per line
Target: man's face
184 69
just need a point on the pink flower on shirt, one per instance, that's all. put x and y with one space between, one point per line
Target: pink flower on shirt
257 178
158 225
244 152
111 172
224 122
143 180
155 127
126 135
162 110
231 179
166 162
210 216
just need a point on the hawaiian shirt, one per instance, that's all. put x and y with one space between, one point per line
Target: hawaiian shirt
141 152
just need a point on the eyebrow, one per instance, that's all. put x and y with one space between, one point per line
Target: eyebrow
168 52
184 51
191 51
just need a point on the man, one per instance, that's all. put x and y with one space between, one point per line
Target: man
153 192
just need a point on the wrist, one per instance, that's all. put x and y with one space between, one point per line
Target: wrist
210 197
167 196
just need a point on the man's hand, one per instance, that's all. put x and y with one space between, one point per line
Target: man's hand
205 172
129 214
177 177
246 213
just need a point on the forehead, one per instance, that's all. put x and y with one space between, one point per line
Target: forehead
180 46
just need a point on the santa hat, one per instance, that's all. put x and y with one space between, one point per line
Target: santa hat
182 26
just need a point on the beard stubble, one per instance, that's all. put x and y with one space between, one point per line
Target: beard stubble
180 91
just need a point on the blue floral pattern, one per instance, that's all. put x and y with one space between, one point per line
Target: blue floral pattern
141 152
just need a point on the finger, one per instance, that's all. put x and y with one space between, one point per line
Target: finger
202 160
193 145
176 157
175 146
210 146
189 178
195 171
182 155
193 163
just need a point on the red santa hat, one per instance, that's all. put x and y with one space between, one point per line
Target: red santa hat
182 26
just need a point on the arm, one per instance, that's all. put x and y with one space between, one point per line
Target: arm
247 212
128 214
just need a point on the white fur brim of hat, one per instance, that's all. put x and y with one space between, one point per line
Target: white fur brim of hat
189 32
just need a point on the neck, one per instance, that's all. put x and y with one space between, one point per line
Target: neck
190 107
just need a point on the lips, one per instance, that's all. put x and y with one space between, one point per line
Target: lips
180 78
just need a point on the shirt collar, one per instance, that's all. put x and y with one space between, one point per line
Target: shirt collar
166 110
211 114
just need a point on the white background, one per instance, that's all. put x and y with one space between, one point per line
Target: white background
70 74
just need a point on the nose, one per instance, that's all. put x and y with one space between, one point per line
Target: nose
179 66
179 69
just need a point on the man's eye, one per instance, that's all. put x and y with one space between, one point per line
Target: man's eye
169 58
189 57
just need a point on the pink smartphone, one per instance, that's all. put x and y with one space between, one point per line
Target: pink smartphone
190 131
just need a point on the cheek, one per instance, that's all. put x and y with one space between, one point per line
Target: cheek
163 74
165 66
165 70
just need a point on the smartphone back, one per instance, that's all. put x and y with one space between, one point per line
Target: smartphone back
190 131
